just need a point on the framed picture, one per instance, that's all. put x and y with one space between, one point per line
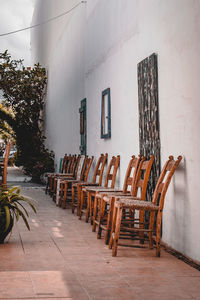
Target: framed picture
105 114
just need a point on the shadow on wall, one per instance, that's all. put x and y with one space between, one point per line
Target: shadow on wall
181 213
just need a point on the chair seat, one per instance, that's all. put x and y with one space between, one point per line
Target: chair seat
68 180
136 204
99 189
86 188
110 194
63 175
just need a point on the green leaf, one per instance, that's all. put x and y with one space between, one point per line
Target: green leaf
24 209
16 211
25 220
7 211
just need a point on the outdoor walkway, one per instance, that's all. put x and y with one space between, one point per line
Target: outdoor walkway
60 258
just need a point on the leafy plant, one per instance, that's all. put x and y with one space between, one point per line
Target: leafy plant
11 209
23 92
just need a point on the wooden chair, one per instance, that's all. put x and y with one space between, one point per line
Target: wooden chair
138 183
78 169
109 180
66 184
69 172
65 163
4 165
97 180
73 173
155 209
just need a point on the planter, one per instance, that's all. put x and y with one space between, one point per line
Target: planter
12 208
4 233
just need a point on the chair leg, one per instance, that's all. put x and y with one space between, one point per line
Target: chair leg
101 207
54 186
141 226
57 195
73 199
113 227
64 200
88 207
109 220
78 199
158 231
91 207
117 231
81 205
47 185
94 214
151 225
99 218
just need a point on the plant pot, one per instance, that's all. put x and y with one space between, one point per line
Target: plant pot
3 232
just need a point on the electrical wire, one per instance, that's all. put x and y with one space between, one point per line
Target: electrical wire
45 22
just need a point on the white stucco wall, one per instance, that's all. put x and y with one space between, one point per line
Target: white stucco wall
98 46
59 46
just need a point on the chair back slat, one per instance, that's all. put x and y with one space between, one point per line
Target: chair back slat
80 166
164 181
142 177
86 168
76 166
112 171
98 172
72 165
66 162
131 172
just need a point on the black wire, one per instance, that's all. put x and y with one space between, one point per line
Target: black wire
45 22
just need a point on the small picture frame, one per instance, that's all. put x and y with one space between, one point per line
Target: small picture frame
105 114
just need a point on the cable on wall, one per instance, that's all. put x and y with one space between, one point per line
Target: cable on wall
45 22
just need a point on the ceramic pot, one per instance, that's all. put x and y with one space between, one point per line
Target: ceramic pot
3 232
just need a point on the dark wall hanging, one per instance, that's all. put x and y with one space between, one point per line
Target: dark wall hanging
83 126
149 116
105 114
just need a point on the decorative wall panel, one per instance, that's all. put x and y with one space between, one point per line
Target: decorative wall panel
149 116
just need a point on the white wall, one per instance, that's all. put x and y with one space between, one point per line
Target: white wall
59 46
99 46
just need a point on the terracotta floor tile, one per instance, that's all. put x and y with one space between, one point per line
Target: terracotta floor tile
15 285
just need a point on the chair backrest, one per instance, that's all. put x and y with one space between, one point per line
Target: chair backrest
142 178
79 167
69 164
75 166
65 162
112 171
5 164
86 168
98 172
164 180
131 172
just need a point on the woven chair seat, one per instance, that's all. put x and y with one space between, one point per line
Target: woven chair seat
137 204
99 189
107 196
92 186
68 180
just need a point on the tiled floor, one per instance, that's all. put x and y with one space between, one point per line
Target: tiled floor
60 258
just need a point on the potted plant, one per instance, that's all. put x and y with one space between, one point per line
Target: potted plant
11 209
